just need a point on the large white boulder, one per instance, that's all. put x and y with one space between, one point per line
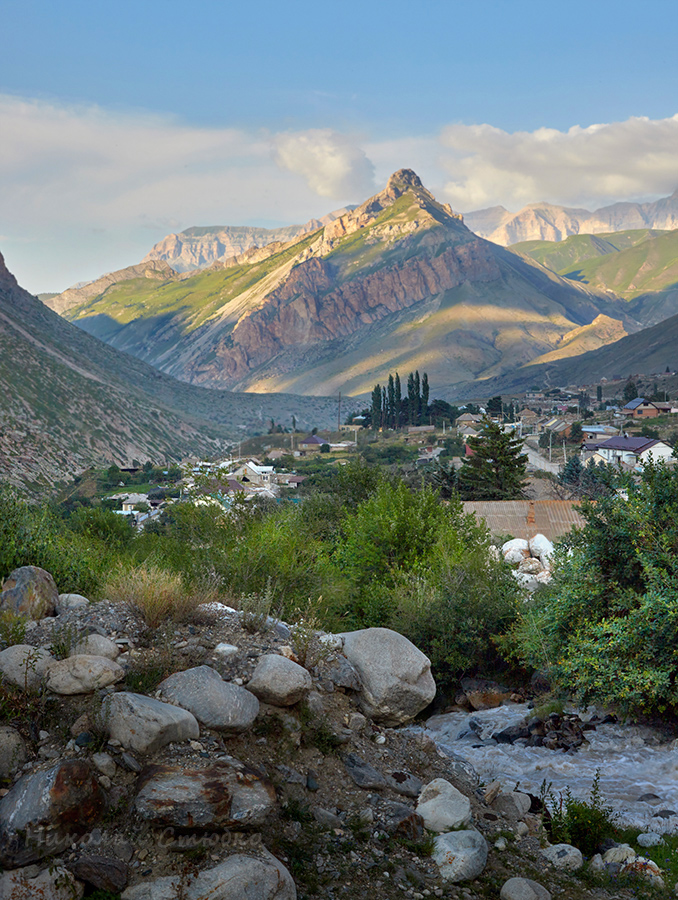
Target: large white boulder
279 681
238 877
214 702
144 724
515 551
564 856
83 674
443 807
542 548
523 889
54 883
460 855
24 666
396 676
96 645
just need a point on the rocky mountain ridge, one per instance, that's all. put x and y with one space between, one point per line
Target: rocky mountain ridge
549 222
199 247
398 282
68 401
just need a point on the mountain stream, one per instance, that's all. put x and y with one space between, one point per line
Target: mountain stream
632 760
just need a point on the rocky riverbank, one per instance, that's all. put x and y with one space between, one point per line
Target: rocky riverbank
213 760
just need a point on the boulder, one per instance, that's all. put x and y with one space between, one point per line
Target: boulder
223 794
650 839
403 821
620 854
214 702
363 774
67 602
530 566
96 645
460 855
542 548
404 783
240 876
55 883
83 674
105 764
512 804
443 807
24 666
279 681
30 591
523 889
484 694
104 873
395 676
515 551
42 812
644 868
12 751
564 856
144 724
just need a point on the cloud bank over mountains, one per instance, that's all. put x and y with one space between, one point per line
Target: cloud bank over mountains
87 185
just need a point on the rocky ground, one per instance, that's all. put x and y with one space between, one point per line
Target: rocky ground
204 760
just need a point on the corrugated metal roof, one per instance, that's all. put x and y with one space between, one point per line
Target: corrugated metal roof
525 518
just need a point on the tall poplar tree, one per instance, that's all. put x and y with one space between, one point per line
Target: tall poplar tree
424 394
376 406
398 401
412 399
417 399
391 402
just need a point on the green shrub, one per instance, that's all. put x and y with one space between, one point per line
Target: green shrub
582 823
606 629
12 628
32 535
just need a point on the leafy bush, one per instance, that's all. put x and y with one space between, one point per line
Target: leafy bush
582 823
12 628
32 535
607 628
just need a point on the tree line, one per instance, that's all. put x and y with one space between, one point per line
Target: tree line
390 409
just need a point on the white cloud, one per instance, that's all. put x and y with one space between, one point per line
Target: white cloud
331 163
590 166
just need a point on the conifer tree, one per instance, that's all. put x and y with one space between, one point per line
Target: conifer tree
424 394
417 399
376 406
496 468
412 399
398 401
391 402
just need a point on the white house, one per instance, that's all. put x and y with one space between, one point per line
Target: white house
633 452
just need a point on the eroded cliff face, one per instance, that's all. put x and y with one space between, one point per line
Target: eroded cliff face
310 307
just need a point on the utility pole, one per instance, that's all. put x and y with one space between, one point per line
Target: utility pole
564 452
550 443
339 413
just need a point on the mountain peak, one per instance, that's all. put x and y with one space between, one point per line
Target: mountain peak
404 179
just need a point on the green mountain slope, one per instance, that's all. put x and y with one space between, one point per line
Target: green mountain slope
399 282
566 256
68 401
640 266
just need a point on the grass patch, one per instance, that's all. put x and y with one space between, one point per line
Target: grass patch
155 595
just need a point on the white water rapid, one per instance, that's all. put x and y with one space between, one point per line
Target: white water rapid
632 761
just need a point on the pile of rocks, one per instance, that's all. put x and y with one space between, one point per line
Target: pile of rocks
530 560
236 772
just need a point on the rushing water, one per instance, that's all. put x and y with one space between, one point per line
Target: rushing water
632 761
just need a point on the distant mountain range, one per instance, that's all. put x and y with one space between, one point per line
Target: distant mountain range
399 282
197 248
68 401
547 222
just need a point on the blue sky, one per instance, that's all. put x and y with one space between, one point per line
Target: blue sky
120 123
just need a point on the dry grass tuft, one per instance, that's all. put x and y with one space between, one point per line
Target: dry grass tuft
155 595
